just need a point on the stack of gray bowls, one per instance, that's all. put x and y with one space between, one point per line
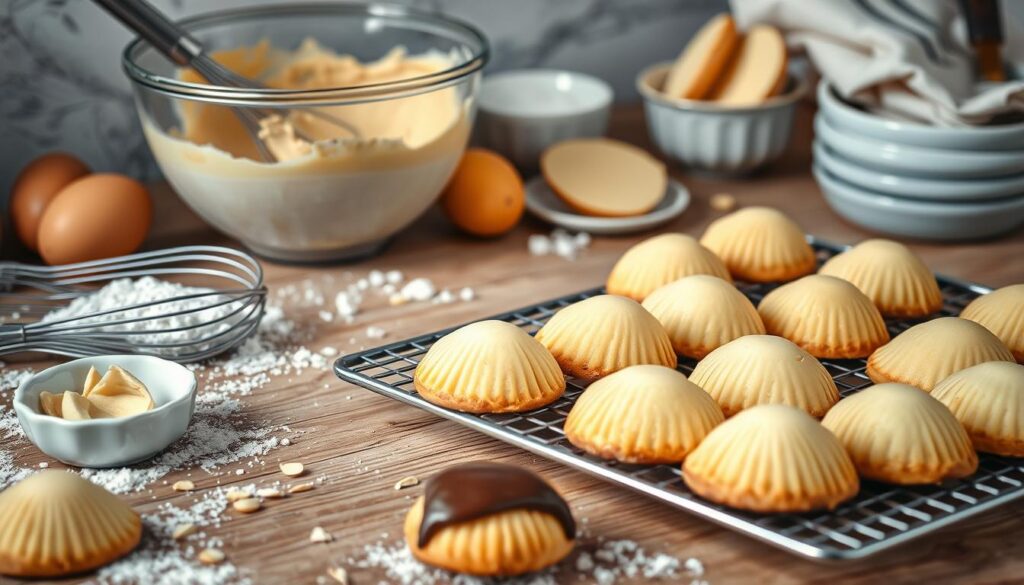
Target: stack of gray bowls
918 181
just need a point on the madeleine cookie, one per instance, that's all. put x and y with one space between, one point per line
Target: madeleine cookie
892 276
642 414
826 316
604 177
604 334
764 369
489 366
772 458
1001 312
927 353
988 399
756 71
489 519
898 434
56 523
703 60
760 244
658 261
701 313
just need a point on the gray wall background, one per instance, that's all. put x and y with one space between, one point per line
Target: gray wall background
61 85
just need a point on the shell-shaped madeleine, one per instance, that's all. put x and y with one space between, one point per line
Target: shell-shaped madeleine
56 523
927 353
642 414
898 434
772 458
660 260
826 316
1001 312
701 313
892 276
604 334
760 244
764 369
489 366
503 544
988 399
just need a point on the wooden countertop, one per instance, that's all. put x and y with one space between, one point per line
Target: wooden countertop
363 443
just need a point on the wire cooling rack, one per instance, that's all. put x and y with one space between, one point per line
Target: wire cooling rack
880 517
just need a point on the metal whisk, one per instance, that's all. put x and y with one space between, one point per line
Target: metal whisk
221 306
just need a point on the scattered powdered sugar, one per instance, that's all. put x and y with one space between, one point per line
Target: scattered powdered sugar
560 243
10 473
605 564
161 560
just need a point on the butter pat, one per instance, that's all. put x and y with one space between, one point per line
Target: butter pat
116 394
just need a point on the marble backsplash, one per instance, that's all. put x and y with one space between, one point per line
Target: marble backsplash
61 85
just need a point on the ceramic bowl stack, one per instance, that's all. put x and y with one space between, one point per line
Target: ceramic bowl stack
918 181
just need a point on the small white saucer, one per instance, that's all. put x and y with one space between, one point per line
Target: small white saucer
542 202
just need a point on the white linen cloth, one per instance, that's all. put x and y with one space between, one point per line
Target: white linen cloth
907 59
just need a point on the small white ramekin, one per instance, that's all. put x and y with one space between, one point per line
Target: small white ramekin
109 442
718 139
522 112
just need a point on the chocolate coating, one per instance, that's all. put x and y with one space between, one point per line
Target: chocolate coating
474 490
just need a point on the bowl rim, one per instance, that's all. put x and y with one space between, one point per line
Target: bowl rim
22 407
871 199
829 161
800 86
604 101
333 95
829 100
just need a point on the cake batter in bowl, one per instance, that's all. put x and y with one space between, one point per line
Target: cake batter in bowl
403 81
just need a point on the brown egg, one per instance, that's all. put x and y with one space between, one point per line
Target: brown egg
35 187
95 217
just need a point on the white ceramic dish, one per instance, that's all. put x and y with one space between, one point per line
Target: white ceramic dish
704 136
917 161
112 442
847 118
915 187
920 219
545 204
522 112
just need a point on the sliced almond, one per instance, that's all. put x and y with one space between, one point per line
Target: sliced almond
293 469
338 574
407 482
722 202
270 493
183 486
248 505
301 487
235 494
183 530
320 535
211 556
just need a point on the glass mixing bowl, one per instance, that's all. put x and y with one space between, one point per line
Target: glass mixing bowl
343 191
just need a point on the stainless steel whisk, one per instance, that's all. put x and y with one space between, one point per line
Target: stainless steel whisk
210 322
